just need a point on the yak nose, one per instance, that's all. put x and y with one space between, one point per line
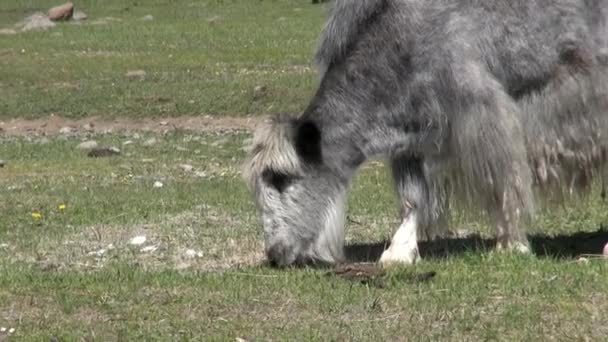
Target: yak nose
279 255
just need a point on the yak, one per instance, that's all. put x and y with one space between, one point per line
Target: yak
471 102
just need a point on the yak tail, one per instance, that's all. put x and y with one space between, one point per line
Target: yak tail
566 132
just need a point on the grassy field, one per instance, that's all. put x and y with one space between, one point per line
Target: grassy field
199 57
69 271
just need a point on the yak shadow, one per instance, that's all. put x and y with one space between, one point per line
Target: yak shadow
559 246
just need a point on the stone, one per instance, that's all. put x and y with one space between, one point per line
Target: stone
2 163
150 142
88 145
138 240
149 249
214 20
100 152
66 130
186 167
259 91
148 17
79 16
62 12
88 127
136 74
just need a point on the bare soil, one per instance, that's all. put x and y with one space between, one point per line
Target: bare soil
55 125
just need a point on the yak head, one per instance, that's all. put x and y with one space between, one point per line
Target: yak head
300 200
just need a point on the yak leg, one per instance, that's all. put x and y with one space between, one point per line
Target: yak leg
413 193
488 150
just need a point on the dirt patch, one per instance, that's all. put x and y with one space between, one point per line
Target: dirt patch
55 125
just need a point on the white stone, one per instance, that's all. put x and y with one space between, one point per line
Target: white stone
150 142
191 253
138 240
66 130
149 249
186 167
88 145
158 184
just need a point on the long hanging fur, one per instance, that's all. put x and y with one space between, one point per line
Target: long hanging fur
567 132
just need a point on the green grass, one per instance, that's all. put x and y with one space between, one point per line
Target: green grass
192 65
51 285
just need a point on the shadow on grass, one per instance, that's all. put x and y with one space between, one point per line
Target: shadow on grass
560 246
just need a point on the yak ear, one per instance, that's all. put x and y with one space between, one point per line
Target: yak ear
272 149
308 141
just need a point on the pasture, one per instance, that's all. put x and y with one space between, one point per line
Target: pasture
73 265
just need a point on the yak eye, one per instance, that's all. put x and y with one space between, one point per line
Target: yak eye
277 180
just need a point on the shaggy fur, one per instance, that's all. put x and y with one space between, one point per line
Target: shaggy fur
479 99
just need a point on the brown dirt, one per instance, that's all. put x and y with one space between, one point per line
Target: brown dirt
53 125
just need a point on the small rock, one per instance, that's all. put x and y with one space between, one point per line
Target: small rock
149 249
220 142
36 21
191 253
128 142
148 17
7 32
214 20
98 253
11 330
88 145
201 174
136 74
2 163
66 130
103 152
582 260
2 329
158 184
259 91
62 12
163 123
88 127
150 142
186 167
138 240
79 16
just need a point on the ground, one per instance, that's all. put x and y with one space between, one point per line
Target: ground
71 265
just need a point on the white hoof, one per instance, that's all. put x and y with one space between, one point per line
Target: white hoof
399 256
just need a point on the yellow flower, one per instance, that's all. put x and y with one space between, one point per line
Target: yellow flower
62 207
36 215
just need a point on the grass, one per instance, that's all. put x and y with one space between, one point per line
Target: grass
199 57
53 282
72 274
